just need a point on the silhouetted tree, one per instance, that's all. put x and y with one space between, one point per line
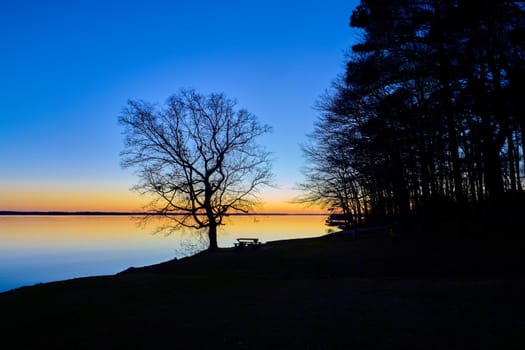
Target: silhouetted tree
198 157
429 110
329 177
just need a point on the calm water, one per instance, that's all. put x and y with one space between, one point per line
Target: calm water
35 249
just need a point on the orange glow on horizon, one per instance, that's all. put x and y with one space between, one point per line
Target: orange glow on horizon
57 199
120 200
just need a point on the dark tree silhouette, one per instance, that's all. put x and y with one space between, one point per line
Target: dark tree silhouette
428 115
198 157
330 178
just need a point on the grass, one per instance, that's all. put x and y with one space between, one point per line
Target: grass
333 292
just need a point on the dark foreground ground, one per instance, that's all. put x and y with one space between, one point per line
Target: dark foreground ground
334 292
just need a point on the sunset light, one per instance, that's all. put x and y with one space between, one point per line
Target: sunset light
336 174
70 68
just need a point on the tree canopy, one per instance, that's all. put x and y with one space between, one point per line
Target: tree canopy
427 115
197 156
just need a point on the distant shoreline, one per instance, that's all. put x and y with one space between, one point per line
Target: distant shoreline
118 213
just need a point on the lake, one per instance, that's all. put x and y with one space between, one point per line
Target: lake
38 249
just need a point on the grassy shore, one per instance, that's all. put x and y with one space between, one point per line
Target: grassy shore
333 292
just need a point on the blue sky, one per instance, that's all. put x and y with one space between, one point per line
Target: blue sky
68 67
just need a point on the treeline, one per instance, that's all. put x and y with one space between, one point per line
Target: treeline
429 116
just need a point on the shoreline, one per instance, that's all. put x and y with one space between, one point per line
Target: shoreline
333 292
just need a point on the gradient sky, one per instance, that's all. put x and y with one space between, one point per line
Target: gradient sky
67 69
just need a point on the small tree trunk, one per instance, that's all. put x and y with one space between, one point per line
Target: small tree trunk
212 236
212 224
511 162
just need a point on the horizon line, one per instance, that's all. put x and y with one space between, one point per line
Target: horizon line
127 213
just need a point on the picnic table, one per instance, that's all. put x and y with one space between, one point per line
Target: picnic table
247 242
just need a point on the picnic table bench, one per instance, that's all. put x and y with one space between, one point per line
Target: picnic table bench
245 242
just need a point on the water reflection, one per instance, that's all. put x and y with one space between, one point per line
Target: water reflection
37 249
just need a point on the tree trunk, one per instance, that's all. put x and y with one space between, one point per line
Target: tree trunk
401 195
446 100
522 132
517 163
493 175
212 224
511 162
212 235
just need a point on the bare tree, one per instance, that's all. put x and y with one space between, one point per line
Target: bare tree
198 156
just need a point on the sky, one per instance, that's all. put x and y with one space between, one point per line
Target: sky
67 69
